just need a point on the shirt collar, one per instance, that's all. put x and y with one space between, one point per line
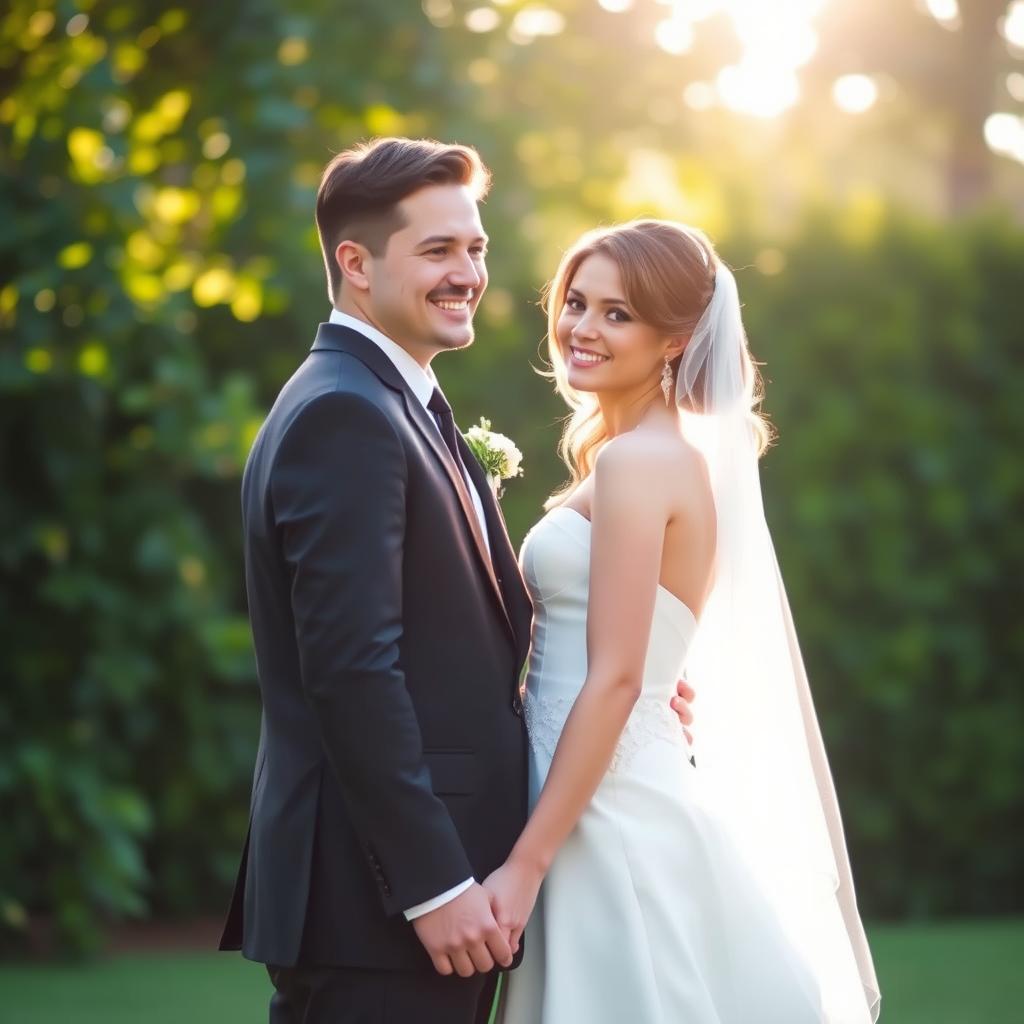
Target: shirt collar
421 381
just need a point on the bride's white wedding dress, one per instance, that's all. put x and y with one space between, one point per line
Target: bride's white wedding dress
650 912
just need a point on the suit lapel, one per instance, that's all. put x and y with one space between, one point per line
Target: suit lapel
428 430
517 598
334 337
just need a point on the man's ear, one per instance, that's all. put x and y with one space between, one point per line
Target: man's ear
351 258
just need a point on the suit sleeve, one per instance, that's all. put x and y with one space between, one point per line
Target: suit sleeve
338 494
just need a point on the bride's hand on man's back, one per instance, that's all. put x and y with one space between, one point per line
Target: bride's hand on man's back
685 695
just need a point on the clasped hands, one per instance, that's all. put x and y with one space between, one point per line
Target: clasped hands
482 927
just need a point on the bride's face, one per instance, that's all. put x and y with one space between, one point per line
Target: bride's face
604 345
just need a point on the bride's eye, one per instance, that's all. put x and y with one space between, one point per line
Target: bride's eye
619 316
575 305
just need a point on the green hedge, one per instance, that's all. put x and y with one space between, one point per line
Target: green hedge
895 373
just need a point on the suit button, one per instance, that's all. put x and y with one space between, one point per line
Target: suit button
386 889
517 705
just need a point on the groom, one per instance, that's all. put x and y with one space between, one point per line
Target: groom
390 624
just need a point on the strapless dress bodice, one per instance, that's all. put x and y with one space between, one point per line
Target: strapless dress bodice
555 560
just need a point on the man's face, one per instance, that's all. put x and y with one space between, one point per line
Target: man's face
424 289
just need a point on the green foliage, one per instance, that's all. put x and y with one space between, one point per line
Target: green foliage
893 363
160 278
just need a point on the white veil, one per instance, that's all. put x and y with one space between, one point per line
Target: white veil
757 741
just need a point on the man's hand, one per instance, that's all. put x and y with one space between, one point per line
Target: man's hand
681 706
513 890
463 936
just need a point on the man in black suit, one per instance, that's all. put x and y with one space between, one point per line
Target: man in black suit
390 624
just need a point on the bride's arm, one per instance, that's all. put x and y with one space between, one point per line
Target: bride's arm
630 509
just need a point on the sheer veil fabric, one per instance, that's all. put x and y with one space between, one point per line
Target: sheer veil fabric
757 742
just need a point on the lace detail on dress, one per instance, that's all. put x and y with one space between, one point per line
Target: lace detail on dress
652 720
545 717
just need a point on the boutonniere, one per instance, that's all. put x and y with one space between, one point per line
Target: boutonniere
496 453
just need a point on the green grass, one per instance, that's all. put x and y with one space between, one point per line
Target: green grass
969 972
956 973
173 988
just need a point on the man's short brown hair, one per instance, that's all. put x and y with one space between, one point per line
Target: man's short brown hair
361 188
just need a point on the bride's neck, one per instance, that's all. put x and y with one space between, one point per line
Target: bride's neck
622 413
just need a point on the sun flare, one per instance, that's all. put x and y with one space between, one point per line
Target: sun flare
777 38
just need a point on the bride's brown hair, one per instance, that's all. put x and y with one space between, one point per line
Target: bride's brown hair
668 274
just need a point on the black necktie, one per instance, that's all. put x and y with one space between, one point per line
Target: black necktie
442 411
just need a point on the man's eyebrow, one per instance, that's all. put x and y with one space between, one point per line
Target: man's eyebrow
606 302
448 240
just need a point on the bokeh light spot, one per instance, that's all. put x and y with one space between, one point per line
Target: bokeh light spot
1004 134
293 51
175 205
172 21
674 35
76 255
854 93
247 303
41 23
216 145
945 12
93 359
533 21
213 286
1013 24
440 12
77 24
482 19
192 571
38 360
86 147
233 172
174 105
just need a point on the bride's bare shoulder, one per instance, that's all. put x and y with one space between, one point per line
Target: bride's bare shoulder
650 462
650 451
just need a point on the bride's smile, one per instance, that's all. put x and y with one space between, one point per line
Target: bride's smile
606 346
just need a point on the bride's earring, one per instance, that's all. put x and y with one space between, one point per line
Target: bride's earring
666 382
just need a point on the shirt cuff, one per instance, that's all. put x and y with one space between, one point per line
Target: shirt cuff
438 901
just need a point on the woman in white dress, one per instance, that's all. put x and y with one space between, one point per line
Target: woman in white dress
680 886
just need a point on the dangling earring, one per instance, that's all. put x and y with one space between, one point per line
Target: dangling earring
666 382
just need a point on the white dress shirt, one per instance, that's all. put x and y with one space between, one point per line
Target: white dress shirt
422 383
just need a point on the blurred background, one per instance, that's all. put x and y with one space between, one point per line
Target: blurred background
860 163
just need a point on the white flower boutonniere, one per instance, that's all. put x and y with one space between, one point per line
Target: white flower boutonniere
497 454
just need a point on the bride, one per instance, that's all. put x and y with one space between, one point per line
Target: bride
684 886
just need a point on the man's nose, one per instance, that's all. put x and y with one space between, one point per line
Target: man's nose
465 274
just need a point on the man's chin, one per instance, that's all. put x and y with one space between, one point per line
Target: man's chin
455 340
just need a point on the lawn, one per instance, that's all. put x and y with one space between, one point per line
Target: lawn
956 973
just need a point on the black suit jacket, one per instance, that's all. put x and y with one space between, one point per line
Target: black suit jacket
392 755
